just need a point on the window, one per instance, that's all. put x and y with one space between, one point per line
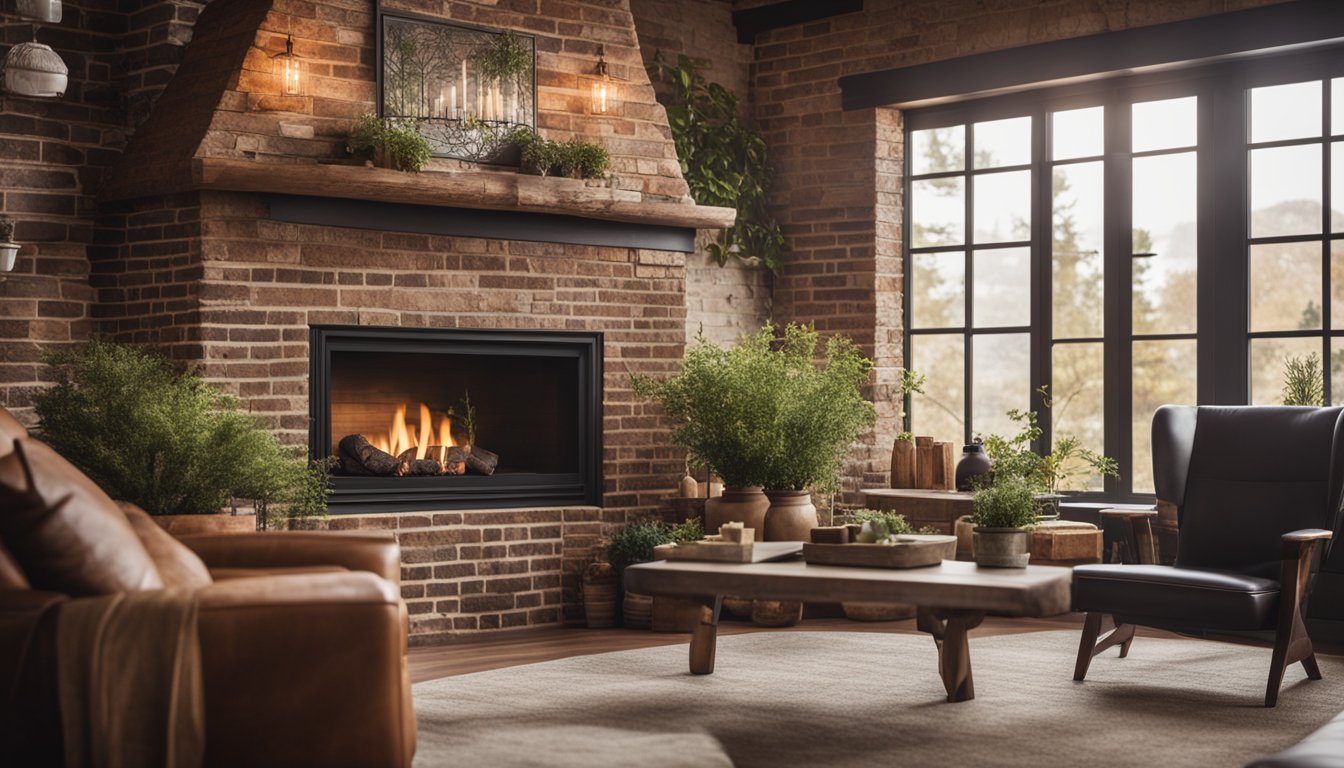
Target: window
1154 240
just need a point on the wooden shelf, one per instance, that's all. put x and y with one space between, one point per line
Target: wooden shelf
486 190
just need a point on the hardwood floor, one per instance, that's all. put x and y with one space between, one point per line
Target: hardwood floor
495 650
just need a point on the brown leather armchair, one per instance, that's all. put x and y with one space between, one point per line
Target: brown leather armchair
302 634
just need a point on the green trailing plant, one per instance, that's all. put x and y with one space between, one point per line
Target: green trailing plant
1303 381
167 440
1008 502
1013 456
764 412
506 57
724 160
398 141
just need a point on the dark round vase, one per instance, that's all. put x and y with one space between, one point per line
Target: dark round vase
974 463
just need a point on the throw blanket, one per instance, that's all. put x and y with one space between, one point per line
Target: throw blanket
129 669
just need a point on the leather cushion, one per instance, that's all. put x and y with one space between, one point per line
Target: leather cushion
10 430
1322 749
1172 596
178 565
64 532
11 575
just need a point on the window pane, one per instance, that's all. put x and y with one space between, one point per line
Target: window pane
939 411
1286 286
1337 186
1078 133
938 149
1337 290
1286 191
1002 295
938 212
1164 124
1290 111
1164 373
1001 375
1337 106
1164 223
1336 371
1078 391
938 290
1077 251
1002 206
1003 142
1268 360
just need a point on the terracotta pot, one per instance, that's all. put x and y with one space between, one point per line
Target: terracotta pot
791 516
191 525
599 604
637 610
737 505
878 611
1002 547
776 613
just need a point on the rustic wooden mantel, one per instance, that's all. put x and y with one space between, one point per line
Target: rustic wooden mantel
486 190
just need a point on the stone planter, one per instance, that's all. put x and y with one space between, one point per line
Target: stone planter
1002 547
194 525
791 516
737 505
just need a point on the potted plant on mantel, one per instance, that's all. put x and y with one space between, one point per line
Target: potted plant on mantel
1004 510
171 443
9 250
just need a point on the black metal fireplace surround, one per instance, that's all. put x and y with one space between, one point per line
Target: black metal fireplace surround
537 398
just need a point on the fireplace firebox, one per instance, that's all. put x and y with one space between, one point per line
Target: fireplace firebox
429 419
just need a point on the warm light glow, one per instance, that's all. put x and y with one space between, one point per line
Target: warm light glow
402 436
601 90
291 75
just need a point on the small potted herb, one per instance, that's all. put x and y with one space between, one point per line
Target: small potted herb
1003 512
9 250
389 143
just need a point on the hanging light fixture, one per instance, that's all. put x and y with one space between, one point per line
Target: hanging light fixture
604 88
289 69
34 69
48 11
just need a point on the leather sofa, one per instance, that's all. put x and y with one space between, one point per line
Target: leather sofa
302 634
1324 748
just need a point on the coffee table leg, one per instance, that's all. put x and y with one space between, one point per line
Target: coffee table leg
949 629
704 636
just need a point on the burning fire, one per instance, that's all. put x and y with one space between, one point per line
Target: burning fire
402 436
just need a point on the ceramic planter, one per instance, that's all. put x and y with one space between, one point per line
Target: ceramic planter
9 256
791 516
737 505
1002 547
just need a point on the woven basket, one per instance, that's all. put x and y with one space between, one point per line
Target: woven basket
599 604
638 611
776 613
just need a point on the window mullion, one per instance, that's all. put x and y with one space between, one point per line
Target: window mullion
1117 354
1042 228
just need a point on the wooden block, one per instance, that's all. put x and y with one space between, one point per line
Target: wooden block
830 534
944 472
910 551
737 533
1075 545
903 464
924 463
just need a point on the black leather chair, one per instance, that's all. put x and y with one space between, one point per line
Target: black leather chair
1254 488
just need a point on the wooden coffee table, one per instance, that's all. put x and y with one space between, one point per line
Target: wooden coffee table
952 598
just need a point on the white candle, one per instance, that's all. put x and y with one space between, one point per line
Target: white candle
438 105
517 118
452 99
464 87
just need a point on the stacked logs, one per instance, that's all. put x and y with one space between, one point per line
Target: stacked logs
360 457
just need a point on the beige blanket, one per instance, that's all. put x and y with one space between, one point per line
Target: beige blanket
130 681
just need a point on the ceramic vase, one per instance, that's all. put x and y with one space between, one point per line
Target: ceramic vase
974 464
745 505
790 517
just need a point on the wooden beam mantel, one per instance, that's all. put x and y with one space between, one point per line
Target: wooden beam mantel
483 190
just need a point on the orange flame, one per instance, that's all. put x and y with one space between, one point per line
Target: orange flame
401 436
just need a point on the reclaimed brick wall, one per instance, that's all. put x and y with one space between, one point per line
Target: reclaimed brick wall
726 301
839 185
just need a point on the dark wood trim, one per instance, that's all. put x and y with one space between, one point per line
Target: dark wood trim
469 222
1093 643
753 21
1177 45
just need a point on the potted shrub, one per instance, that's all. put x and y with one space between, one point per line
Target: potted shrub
1003 511
171 443
389 143
818 411
633 544
9 250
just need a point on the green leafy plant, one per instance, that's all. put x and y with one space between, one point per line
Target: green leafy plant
6 229
166 440
508 56
569 158
724 160
1303 382
399 141
1014 457
635 542
687 531
894 522
764 412
589 160
1008 502
912 382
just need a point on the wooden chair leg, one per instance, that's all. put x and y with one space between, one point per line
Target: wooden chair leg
1089 646
1291 643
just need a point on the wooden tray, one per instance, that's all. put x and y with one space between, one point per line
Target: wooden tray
909 551
727 551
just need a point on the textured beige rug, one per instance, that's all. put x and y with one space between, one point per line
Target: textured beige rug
861 699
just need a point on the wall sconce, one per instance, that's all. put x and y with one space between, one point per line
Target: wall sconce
290 69
9 250
604 94
48 11
33 69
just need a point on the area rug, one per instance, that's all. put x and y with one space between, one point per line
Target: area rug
873 699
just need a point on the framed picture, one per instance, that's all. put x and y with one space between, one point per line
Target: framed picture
467 89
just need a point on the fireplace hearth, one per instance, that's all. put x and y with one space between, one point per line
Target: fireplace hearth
437 419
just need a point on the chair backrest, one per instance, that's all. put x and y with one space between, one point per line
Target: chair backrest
1242 476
